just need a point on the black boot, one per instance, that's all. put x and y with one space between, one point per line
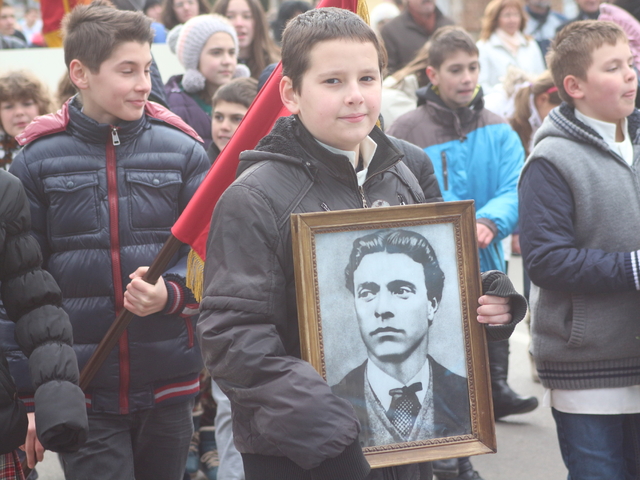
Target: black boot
445 469
505 401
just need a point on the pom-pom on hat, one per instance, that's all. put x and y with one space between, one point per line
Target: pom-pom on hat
188 40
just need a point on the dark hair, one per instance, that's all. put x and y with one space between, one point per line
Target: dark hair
263 50
92 32
631 6
446 41
321 25
240 90
412 244
288 10
169 18
571 52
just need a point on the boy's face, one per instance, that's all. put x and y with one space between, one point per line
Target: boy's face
119 90
218 59
226 118
609 91
16 114
338 99
456 79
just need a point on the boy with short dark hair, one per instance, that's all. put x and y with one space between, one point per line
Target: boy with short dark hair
328 155
579 201
107 176
229 106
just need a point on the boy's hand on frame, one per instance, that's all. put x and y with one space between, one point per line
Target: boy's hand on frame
485 235
494 310
32 446
142 298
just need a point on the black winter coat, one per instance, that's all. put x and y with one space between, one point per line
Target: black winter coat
248 326
32 300
103 201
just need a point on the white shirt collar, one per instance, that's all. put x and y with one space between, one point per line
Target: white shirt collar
367 150
381 383
608 132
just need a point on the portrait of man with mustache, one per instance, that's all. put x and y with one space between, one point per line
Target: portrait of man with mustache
400 393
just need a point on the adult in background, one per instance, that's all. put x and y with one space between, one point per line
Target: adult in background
587 10
8 23
404 35
257 48
503 43
31 24
543 22
175 12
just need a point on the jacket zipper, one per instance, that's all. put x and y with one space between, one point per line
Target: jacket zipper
364 199
445 172
116 267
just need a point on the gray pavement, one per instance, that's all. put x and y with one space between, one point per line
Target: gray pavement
527 444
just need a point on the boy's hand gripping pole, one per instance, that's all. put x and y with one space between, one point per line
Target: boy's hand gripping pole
123 319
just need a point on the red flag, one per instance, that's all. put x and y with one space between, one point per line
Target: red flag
193 225
52 13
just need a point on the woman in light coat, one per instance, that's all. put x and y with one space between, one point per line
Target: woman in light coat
502 43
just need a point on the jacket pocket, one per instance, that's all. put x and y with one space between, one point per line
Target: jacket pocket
73 204
153 198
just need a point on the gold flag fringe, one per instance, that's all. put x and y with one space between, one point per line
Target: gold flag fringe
195 275
363 11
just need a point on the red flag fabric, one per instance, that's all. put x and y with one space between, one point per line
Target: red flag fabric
193 225
52 13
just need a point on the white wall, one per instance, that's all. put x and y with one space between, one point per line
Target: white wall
48 63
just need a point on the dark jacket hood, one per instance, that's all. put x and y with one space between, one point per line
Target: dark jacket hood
442 114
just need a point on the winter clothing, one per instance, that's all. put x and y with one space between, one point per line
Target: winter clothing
495 58
403 37
103 200
543 27
7 42
628 23
186 107
398 98
476 155
581 252
42 329
188 40
8 149
248 327
261 304
450 407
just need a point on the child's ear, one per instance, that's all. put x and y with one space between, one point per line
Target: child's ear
79 74
573 87
289 96
432 73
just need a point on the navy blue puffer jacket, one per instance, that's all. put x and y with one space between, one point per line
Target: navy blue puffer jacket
103 200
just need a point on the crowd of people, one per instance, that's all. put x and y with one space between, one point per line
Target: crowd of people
412 109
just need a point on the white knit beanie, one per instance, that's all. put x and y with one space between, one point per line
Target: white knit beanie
188 40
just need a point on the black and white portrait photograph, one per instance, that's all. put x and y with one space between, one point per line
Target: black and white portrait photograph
392 331
387 304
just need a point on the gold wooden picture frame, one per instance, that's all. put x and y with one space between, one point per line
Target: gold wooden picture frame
359 283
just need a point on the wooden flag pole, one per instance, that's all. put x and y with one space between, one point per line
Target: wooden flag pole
123 319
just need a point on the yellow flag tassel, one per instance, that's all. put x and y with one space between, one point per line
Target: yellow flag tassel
195 275
363 11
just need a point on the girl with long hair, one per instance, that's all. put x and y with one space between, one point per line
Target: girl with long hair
257 49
